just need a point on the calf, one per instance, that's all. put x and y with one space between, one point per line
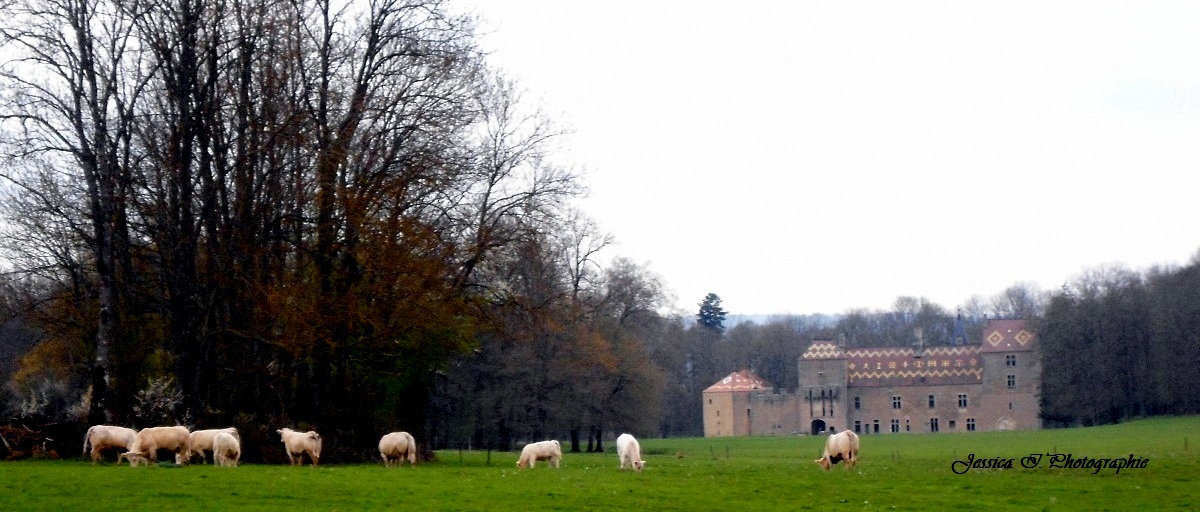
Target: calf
542 450
202 441
296 444
400 446
839 447
103 437
629 451
226 450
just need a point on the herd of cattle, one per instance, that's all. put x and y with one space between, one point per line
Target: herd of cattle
142 446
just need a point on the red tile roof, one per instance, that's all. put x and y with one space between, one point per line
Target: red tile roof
744 380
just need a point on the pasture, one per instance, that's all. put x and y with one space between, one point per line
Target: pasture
895 472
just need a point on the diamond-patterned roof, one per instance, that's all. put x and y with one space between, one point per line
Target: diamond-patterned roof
1007 336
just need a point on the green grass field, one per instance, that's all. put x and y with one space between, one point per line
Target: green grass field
895 472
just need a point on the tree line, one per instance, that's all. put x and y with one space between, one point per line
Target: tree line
1118 344
296 211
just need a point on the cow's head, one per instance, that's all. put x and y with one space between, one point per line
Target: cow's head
134 458
823 462
639 464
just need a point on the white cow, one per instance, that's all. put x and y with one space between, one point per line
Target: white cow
400 446
226 449
840 446
629 451
148 441
102 437
202 441
541 450
296 444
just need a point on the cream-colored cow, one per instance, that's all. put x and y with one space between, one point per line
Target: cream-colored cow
227 450
629 451
543 450
103 437
202 441
842 446
399 446
149 440
296 444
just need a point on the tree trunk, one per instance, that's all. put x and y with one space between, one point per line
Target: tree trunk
575 440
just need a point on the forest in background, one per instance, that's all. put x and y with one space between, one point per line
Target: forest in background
270 213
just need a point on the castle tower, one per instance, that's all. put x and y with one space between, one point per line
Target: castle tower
1012 376
728 409
822 388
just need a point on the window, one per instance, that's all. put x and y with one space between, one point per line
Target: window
907 426
857 403
876 426
962 400
931 402
709 401
896 401
933 424
857 427
970 424
953 424
1012 381
1010 360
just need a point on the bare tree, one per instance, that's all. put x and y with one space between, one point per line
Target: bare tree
514 188
1021 300
78 78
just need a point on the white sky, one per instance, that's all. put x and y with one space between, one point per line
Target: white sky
809 157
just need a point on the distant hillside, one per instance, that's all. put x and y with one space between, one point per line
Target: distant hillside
813 321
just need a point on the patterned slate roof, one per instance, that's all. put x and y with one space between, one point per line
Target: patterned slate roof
744 380
822 350
1008 336
903 367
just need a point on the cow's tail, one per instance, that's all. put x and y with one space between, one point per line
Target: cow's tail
87 438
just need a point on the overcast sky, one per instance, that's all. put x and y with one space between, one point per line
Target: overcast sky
815 157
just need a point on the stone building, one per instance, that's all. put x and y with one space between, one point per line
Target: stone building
992 385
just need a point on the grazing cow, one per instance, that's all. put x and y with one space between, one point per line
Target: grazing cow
541 450
149 440
629 451
296 444
400 446
839 447
102 437
226 449
202 441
